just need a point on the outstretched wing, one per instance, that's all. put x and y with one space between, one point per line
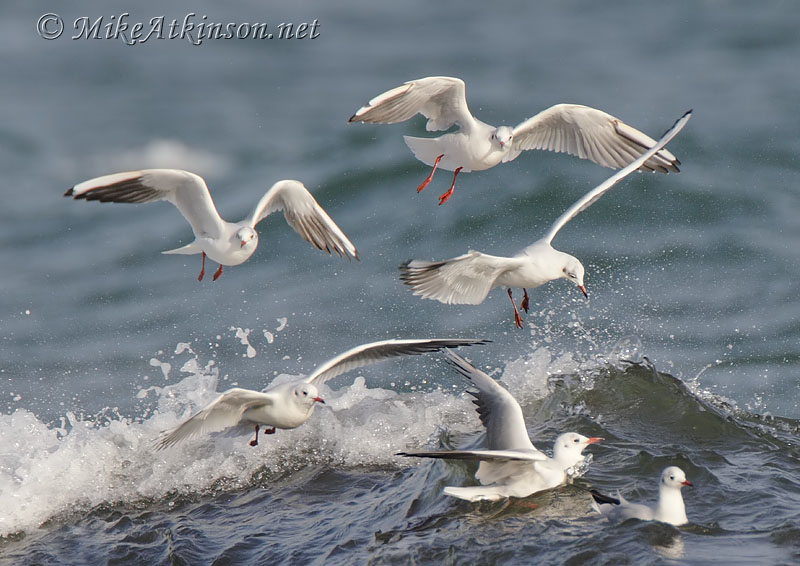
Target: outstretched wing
224 412
482 455
305 215
185 190
589 198
499 411
442 100
590 134
466 279
378 351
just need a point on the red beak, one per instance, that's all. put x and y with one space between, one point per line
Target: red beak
243 243
595 440
319 400
687 482
583 290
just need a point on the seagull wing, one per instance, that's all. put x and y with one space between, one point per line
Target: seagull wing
378 351
185 190
305 216
589 198
482 455
224 412
498 410
442 100
466 279
590 134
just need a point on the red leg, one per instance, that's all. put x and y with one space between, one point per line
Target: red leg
269 430
254 442
525 301
202 269
449 193
517 317
428 179
217 273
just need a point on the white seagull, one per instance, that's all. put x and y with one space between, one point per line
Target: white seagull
467 279
578 130
290 404
510 466
669 509
227 243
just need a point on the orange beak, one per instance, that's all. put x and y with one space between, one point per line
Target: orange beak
687 482
595 440
583 290
319 400
243 243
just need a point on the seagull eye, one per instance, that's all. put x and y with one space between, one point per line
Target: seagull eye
576 440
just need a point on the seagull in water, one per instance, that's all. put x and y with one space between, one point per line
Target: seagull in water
578 130
227 243
290 404
510 466
669 509
468 278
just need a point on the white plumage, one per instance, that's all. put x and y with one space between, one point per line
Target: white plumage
578 130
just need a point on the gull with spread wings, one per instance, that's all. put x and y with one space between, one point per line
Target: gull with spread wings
510 466
467 279
566 128
227 243
290 404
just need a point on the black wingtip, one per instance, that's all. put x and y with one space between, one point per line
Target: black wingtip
600 498
69 192
351 119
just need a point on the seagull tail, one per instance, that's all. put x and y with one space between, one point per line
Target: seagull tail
427 150
476 493
189 249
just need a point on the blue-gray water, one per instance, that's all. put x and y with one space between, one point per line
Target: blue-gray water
695 272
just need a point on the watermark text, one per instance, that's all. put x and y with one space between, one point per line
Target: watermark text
191 27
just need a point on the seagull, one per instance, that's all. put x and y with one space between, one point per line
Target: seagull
669 509
227 243
511 466
288 405
572 128
468 278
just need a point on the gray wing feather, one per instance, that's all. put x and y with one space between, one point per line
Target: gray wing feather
591 197
378 351
187 191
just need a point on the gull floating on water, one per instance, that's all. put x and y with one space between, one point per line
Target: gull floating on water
578 130
511 466
227 243
669 509
288 405
467 279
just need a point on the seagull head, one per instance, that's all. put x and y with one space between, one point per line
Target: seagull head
674 477
573 270
246 236
306 394
503 136
569 446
